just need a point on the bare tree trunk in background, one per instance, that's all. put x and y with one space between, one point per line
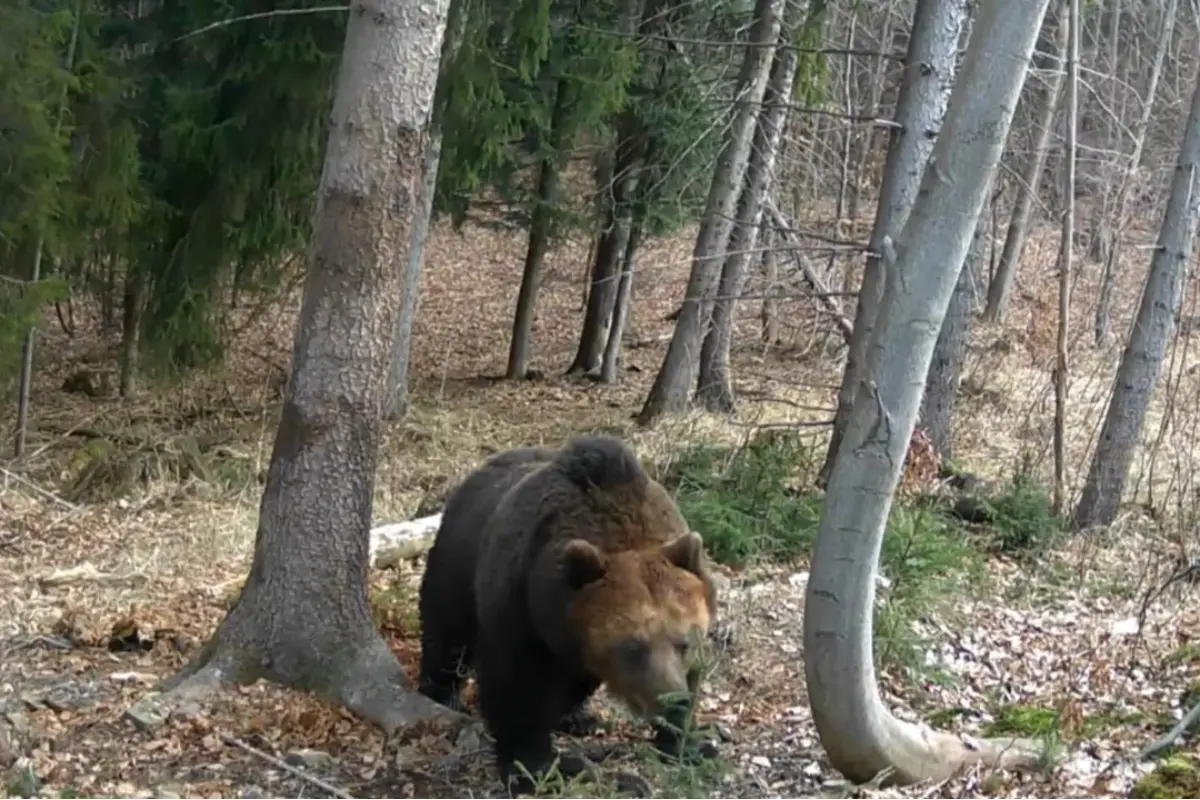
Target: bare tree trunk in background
1100 229
628 153
610 366
602 179
928 78
770 300
302 618
864 143
1142 359
1000 288
945 367
396 404
1104 301
1066 259
539 241
714 387
606 268
25 381
850 132
672 386
108 296
131 330
857 730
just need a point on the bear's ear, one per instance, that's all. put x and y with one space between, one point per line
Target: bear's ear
686 552
583 563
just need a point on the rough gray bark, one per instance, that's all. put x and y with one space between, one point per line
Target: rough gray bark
539 241
1104 301
1000 289
397 396
672 386
928 76
945 367
859 733
714 388
620 316
302 618
1141 362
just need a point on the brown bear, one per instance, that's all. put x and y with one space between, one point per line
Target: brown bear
552 573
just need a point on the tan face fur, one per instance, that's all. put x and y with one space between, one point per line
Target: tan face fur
644 613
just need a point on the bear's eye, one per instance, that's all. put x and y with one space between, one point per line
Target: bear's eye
634 651
682 646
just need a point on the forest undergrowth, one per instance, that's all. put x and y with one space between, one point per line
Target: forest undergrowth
128 528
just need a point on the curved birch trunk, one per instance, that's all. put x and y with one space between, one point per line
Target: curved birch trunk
858 732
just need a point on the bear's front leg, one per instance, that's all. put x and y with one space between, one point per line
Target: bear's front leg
522 700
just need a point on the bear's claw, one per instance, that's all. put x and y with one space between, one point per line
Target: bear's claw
579 722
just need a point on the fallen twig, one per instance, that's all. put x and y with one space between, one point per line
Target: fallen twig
230 739
51 642
823 295
87 572
1181 727
67 504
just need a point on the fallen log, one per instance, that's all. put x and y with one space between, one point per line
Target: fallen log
402 541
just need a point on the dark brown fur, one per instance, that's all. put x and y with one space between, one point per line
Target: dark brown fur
552 573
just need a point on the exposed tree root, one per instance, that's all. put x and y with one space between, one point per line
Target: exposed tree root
934 756
368 682
1181 727
375 688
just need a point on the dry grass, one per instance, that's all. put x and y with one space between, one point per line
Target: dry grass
175 551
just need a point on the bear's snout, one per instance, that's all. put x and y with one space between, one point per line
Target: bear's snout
658 682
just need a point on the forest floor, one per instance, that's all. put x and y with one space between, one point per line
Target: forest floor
106 593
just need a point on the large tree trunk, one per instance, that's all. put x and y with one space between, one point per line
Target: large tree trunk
858 732
672 386
714 388
539 240
929 75
1107 276
1142 359
1001 285
945 367
396 404
302 618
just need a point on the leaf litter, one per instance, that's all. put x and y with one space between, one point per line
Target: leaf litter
105 599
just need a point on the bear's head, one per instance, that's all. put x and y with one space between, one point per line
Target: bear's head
641 616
